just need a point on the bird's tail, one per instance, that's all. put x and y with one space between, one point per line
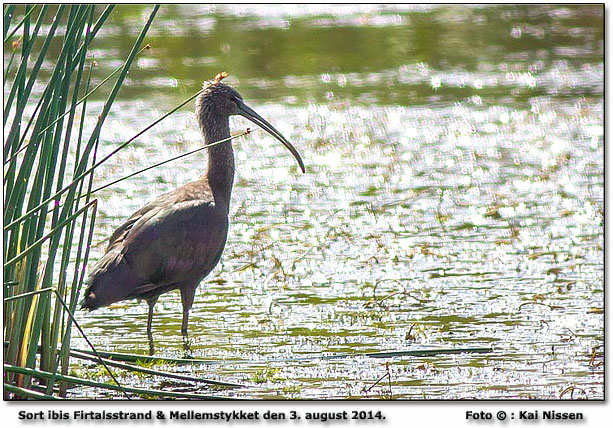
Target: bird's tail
110 281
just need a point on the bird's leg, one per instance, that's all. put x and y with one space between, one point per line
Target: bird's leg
187 297
151 302
186 342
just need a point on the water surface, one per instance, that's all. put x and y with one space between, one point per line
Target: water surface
453 197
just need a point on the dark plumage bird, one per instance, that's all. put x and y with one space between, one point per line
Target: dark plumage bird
175 241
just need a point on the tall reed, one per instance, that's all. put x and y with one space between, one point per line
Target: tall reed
48 212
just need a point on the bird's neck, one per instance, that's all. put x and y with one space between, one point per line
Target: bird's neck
220 173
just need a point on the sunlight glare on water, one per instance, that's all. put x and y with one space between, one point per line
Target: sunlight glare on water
453 196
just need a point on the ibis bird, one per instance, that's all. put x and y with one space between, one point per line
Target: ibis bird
175 241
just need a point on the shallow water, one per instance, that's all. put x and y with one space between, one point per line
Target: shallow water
453 197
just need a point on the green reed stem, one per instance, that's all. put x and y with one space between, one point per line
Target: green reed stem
96 165
18 26
246 132
86 382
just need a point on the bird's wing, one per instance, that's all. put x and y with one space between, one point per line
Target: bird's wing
158 250
154 206
180 243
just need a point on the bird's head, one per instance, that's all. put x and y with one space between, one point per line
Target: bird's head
219 101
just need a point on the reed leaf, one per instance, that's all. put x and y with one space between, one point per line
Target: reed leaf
138 369
83 174
27 393
92 383
44 247
8 17
18 26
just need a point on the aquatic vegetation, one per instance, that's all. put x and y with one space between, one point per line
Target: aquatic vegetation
454 198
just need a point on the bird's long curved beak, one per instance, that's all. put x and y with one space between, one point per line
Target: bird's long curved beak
248 112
